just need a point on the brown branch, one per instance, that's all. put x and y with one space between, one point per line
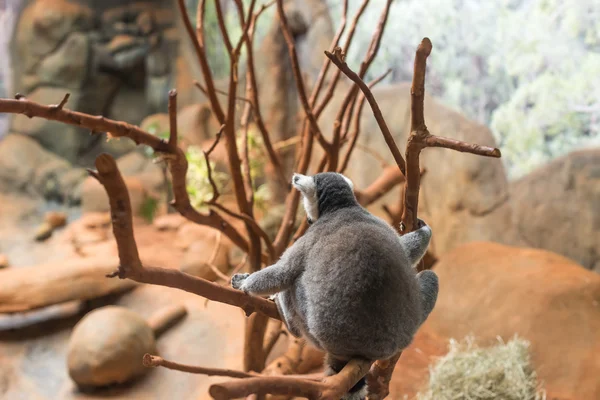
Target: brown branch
273 337
177 161
173 119
357 119
156 361
221 92
253 224
389 178
379 377
213 184
63 102
326 63
252 94
420 138
334 81
91 122
197 39
331 388
298 77
131 265
223 28
337 59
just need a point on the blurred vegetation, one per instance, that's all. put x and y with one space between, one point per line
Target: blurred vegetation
198 185
527 68
215 49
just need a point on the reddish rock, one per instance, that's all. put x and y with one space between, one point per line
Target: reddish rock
490 290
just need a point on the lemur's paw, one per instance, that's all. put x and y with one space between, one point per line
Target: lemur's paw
238 279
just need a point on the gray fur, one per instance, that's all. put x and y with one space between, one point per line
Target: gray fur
348 285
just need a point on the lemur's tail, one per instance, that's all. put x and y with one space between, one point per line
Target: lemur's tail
429 285
335 365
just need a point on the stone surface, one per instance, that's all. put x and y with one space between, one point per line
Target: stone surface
44 174
197 124
107 346
67 66
95 199
491 290
44 24
557 207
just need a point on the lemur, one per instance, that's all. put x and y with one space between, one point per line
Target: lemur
348 285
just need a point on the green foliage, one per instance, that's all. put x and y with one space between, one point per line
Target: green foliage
148 208
198 185
527 68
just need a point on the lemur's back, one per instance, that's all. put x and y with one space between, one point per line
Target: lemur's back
358 287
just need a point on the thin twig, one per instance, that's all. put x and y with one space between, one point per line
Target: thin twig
198 42
337 59
173 119
357 119
156 361
298 77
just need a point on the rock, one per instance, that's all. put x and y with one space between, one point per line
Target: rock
493 290
95 199
52 220
4 261
130 106
169 222
44 24
43 232
557 207
201 254
107 347
197 124
55 219
157 92
143 167
158 61
94 220
190 232
67 67
108 344
44 174
145 22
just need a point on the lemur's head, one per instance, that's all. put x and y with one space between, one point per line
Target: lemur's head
324 193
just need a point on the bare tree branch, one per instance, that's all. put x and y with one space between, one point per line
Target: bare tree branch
131 266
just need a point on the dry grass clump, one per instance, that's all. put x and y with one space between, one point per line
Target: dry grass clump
469 372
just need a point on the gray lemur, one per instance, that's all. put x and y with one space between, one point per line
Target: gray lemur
348 285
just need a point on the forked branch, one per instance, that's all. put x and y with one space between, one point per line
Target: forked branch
131 266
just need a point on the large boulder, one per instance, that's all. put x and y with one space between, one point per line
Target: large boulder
557 207
492 290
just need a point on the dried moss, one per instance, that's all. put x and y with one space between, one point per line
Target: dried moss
469 372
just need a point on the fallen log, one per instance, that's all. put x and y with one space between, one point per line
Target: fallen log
28 288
